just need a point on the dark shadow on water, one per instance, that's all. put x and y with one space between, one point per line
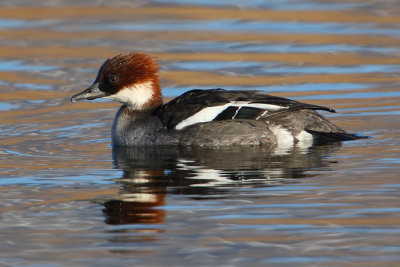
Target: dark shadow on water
150 173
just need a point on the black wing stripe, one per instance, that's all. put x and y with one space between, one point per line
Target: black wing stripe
249 113
227 114
237 113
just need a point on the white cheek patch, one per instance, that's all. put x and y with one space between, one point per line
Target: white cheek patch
136 95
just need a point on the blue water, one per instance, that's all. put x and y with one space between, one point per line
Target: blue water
19 65
68 198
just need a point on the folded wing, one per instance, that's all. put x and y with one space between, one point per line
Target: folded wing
197 106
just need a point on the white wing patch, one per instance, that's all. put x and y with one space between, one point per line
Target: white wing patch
210 113
204 115
268 107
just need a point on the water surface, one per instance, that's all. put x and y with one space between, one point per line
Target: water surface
69 198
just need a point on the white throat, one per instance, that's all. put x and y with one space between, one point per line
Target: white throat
136 95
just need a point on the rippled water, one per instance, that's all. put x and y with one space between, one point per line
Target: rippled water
68 199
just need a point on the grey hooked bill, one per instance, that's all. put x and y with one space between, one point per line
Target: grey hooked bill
90 93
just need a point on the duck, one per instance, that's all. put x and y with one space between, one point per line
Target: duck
202 117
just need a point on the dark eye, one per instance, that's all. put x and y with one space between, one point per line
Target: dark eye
114 78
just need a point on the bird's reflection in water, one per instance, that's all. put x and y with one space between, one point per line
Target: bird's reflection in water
149 173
